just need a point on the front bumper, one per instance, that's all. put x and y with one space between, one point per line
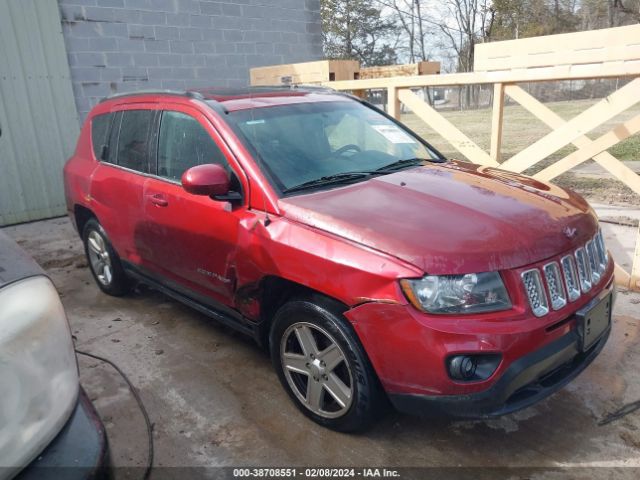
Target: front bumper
525 382
409 352
79 451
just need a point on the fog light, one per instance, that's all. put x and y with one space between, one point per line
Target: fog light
468 368
462 367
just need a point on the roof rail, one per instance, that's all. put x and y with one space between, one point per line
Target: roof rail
178 93
293 86
311 87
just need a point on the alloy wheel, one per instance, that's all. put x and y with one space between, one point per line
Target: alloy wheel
99 258
317 370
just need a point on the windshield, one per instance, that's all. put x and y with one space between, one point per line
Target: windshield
302 143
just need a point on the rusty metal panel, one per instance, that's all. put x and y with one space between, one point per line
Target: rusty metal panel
38 115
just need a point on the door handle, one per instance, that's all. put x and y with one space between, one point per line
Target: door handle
158 200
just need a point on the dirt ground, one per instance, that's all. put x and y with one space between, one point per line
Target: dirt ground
215 400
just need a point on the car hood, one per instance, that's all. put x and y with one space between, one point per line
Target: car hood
15 263
454 217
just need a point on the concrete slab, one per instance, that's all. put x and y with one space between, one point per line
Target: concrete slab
215 400
594 170
622 213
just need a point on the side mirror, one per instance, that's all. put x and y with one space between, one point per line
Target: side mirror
209 179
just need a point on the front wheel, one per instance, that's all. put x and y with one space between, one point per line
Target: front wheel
104 261
323 367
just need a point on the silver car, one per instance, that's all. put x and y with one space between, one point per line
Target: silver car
46 418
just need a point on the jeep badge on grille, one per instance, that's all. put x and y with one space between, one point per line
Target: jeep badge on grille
570 232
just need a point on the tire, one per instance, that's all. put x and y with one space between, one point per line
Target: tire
318 345
103 261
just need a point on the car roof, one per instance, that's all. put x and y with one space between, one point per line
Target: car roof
241 98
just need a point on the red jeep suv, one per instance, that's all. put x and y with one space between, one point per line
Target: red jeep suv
371 267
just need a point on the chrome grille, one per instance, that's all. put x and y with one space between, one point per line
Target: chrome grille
570 277
603 255
594 261
584 271
576 274
535 292
555 285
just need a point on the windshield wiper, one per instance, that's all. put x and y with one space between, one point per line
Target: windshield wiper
330 180
401 163
350 176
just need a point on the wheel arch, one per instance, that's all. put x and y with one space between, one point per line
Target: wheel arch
275 291
82 215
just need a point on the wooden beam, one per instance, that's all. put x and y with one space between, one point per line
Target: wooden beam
607 140
594 116
622 277
594 46
441 125
386 71
497 114
553 120
545 74
393 103
307 72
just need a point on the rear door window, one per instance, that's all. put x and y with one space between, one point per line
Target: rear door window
133 140
100 134
184 143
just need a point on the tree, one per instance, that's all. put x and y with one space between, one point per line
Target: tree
463 24
530 18
414 25
609 13
356 29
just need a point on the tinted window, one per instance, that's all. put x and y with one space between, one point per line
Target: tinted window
99 132
183 144
133 145
113 138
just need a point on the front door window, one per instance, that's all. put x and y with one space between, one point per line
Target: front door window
183 144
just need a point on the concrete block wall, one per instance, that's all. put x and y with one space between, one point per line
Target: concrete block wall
125 45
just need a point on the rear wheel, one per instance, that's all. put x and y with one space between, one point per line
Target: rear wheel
323 367
103 261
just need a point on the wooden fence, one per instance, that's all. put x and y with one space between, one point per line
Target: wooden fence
607 53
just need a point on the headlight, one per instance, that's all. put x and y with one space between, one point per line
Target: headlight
38 371
470 293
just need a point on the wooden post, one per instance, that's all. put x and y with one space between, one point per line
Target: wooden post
496 121
393 103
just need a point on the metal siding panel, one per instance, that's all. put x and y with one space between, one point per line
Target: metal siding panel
37 111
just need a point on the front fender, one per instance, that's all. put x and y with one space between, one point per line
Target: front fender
339 268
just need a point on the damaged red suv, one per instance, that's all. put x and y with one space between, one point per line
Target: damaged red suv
371 267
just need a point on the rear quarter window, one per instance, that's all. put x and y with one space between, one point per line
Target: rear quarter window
100 134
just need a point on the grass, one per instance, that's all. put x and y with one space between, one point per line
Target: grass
628 149
521 129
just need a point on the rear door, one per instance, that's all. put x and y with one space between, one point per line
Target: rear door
192 240
117 182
